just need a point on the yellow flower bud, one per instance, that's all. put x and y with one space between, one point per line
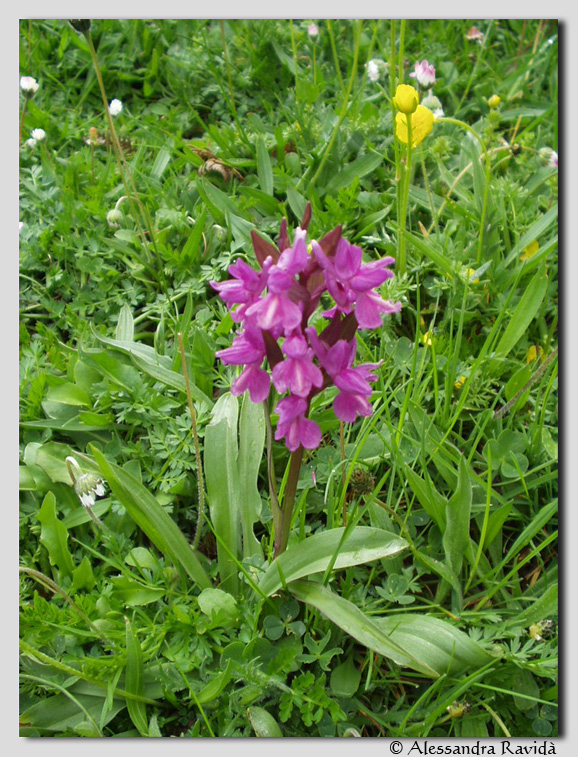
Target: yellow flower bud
494 101
406 98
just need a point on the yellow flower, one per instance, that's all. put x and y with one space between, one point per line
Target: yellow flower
459 382
421 125
406 98
427 338
494 101
470 274
534 353
530 250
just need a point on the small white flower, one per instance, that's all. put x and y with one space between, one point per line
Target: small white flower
29 85
312 31
38 134
88 486
31 142
21 226
376 68
372 71
115 108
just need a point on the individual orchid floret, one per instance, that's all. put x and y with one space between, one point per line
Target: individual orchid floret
28 85
294 427
244 289
352 381
248 349
115 108
277 309
297 373
350 282
424 74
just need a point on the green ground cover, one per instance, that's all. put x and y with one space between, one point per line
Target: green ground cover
398 576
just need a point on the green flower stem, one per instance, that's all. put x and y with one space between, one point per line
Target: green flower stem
405 199
334 53
230 83
344 109
487 186
200 486
401 50
22 115
474 70
396 143
282 538
275 508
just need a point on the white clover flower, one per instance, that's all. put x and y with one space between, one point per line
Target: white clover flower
372 71
313 31
424 73
115 108
474 35
28 85
376 68
31 143
38 134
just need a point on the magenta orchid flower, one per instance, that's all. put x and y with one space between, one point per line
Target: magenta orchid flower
297 373
351 283
274 306
425 74
294 427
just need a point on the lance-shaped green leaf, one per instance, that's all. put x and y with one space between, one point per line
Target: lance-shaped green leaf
525 312
444 647
134 680
456 539
150 517
264 169
357 624
251 445
158 366
313 555
223 486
